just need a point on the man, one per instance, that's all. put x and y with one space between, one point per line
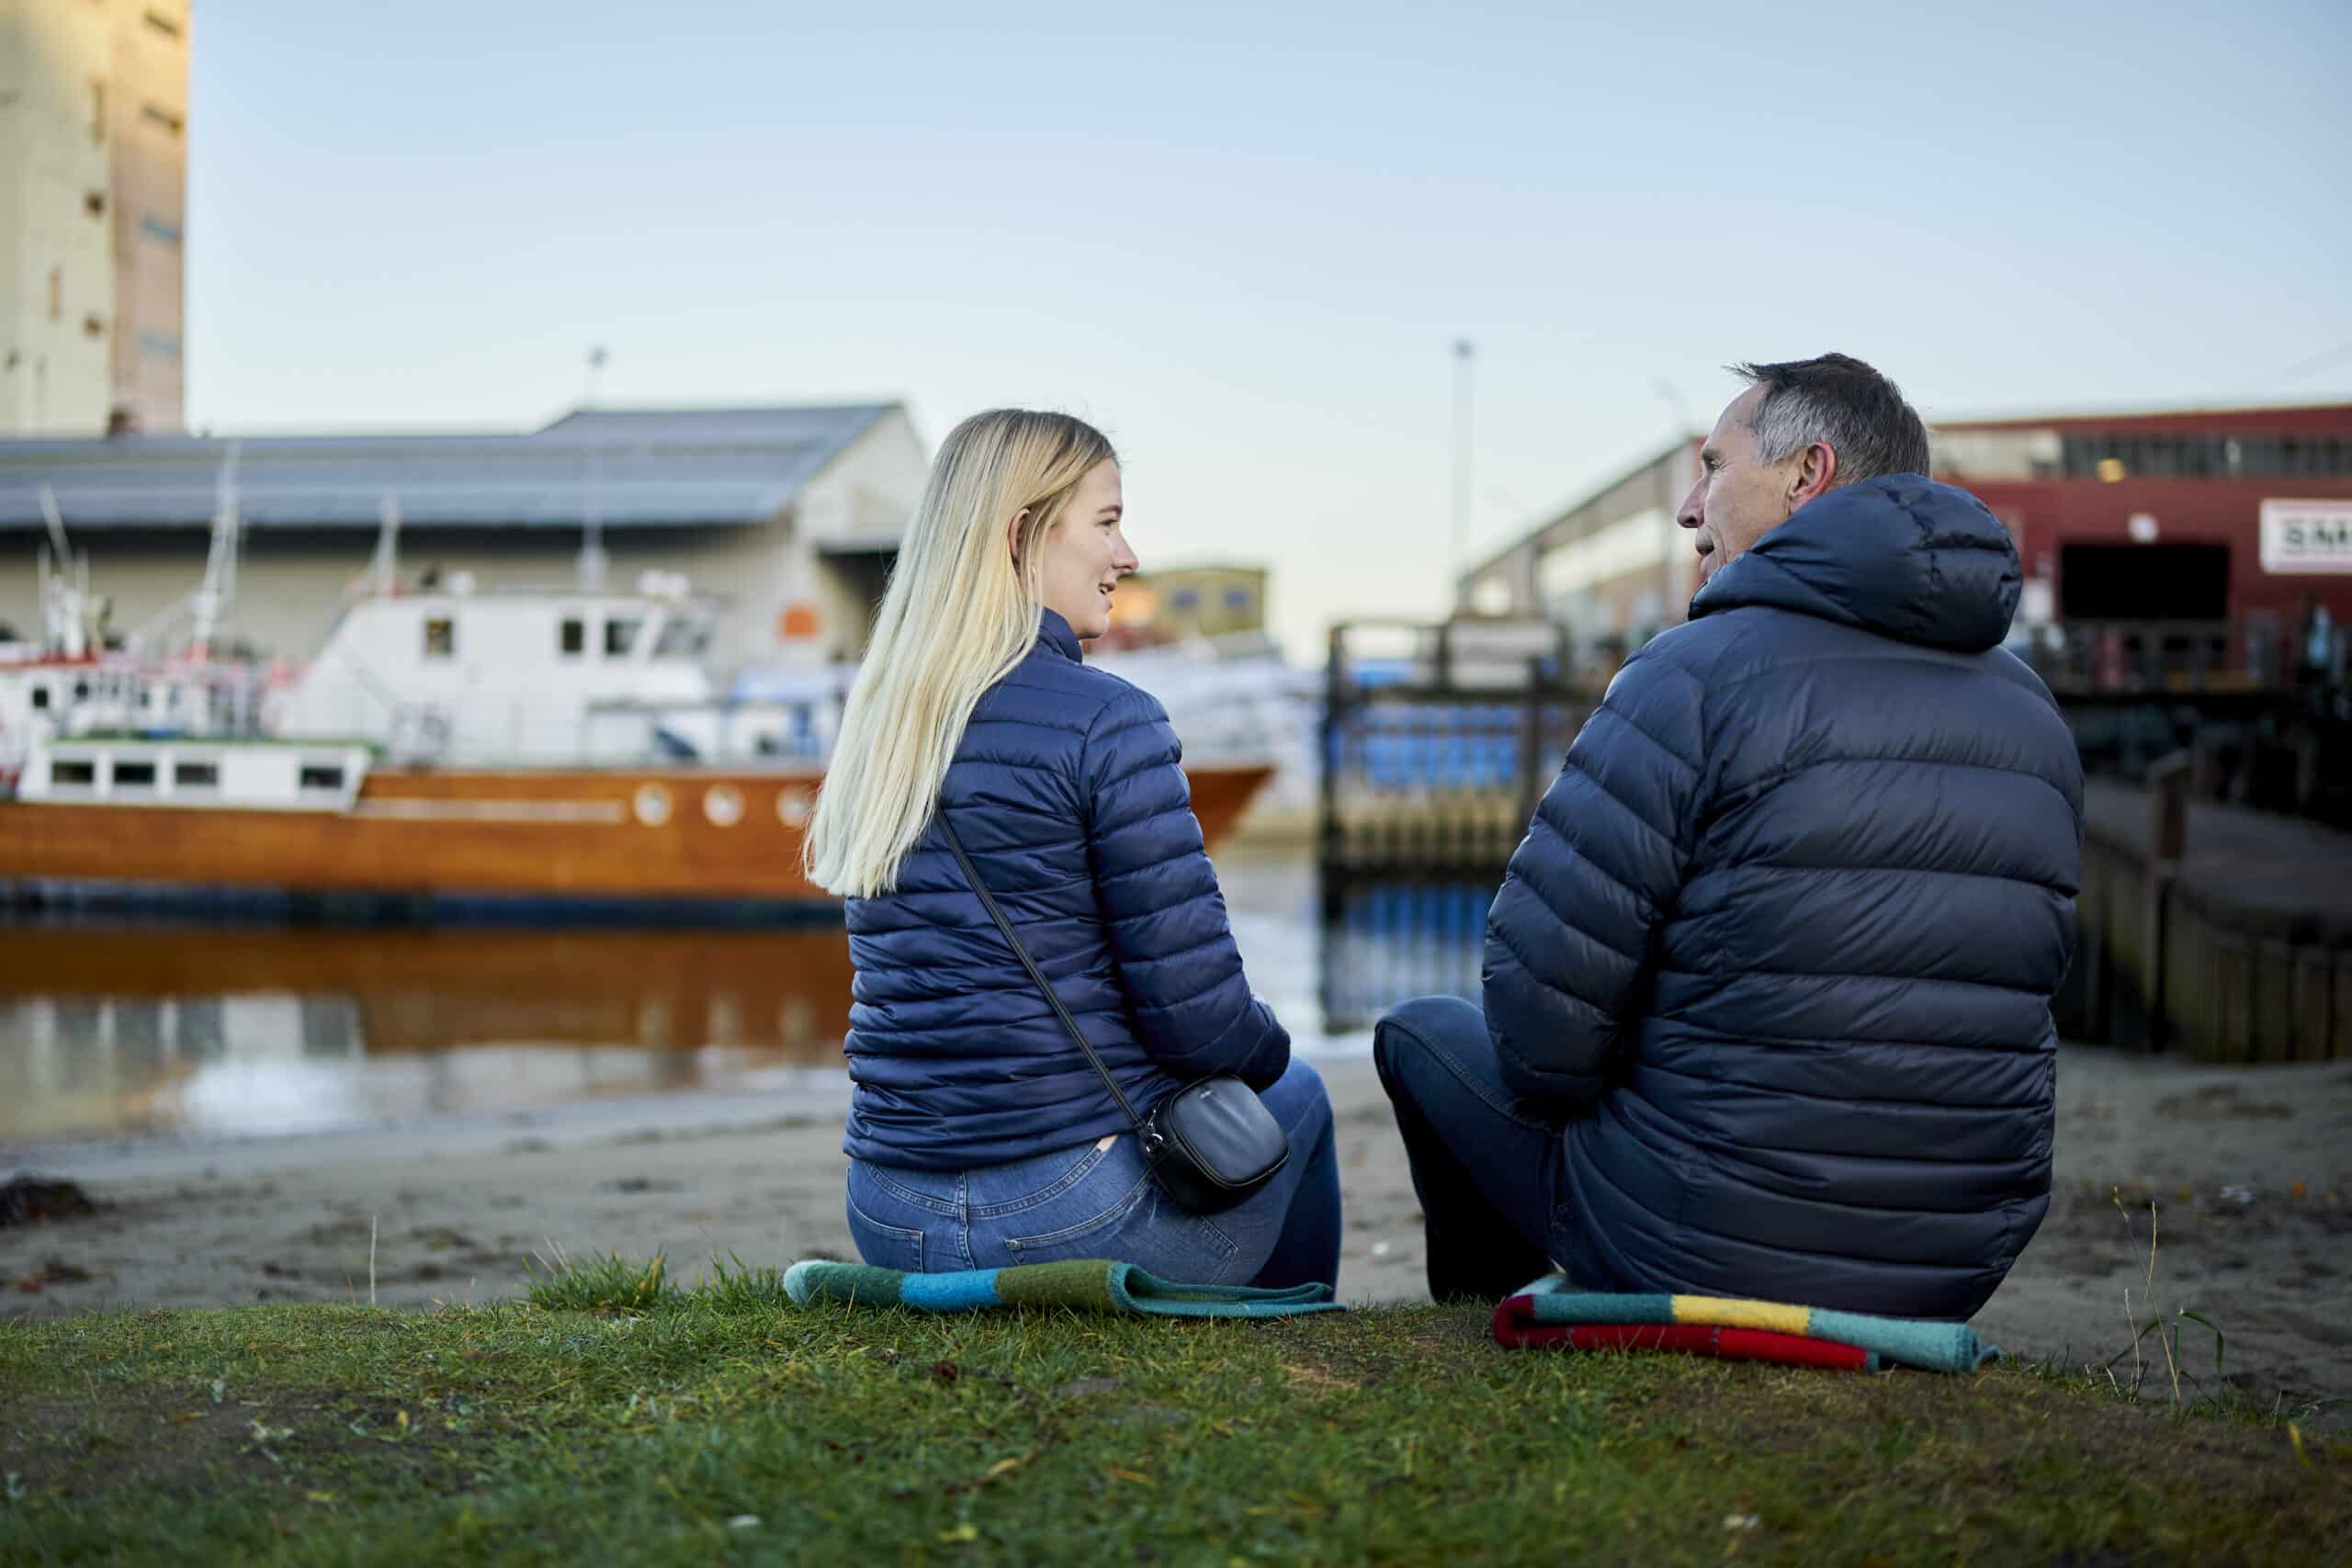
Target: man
1766 987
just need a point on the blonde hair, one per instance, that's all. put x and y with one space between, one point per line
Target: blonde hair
957 617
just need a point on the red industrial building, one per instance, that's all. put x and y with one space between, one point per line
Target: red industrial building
2188 544
2242 515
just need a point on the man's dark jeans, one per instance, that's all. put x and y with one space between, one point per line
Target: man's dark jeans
1490 1171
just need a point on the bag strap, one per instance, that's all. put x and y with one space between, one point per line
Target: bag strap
988 901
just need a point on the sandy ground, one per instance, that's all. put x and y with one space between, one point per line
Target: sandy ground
2251 1168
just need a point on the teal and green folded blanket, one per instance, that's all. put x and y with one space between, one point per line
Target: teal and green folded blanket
1551 1314
1082 1285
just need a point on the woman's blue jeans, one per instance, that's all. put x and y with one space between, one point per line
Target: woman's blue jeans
1099 1200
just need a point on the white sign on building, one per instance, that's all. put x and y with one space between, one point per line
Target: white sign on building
2307 537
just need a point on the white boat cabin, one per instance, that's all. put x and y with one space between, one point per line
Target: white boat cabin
122 771
532 677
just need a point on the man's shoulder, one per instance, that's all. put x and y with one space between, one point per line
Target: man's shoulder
1696 649
1691 643
1762 639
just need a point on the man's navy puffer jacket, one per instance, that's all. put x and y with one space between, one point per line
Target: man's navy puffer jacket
1067 793
1780 941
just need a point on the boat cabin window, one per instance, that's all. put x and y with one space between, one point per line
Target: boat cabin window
619 637
681 638
81 691
78 773
573 642
440 636
322 775
134 776
195 775
41 698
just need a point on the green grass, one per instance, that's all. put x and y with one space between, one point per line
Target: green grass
614 1415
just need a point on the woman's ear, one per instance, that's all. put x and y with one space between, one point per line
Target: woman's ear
1012 536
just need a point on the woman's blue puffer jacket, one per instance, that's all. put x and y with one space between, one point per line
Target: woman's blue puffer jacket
1066 792
1780 942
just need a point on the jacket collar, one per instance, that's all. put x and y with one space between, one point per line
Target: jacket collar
1053 632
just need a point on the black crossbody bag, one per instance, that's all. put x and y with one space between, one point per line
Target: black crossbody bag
1211 1143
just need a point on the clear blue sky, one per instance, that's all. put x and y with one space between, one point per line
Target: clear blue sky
1243 237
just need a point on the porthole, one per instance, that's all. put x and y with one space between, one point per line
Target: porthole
793 806
652 805
723 804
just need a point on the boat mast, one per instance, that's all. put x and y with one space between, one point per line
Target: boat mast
388 545
63 607
220 590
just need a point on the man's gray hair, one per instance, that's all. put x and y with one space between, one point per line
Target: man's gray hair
1843 403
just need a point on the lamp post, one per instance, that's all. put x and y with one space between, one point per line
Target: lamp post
1465 365
592 560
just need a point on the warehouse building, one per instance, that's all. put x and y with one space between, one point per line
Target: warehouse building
790 515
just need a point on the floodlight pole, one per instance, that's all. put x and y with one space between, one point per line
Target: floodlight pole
592 560
1464 366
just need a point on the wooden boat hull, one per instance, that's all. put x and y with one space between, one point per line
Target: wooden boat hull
635 842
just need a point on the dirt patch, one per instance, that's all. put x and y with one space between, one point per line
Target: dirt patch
52 1271
2220 1102
32 1200
442 1238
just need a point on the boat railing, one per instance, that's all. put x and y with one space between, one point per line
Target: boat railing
631 733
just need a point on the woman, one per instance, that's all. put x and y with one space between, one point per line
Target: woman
979 1133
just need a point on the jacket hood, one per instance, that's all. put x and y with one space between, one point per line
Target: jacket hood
1898 554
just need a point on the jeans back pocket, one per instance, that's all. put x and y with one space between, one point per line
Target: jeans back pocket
1124 1218
884 1245
1078 1224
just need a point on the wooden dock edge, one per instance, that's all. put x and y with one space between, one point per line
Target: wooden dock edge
2164 961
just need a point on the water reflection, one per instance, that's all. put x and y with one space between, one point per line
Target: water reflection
246 1031
238 1031
1391 941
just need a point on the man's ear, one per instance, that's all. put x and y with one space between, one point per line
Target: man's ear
1816 470
1012 536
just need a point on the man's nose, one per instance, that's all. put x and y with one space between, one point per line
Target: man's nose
1693 511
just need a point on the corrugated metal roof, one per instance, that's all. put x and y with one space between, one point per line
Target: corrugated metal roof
671 467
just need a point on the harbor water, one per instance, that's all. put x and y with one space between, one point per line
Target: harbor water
243 1031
